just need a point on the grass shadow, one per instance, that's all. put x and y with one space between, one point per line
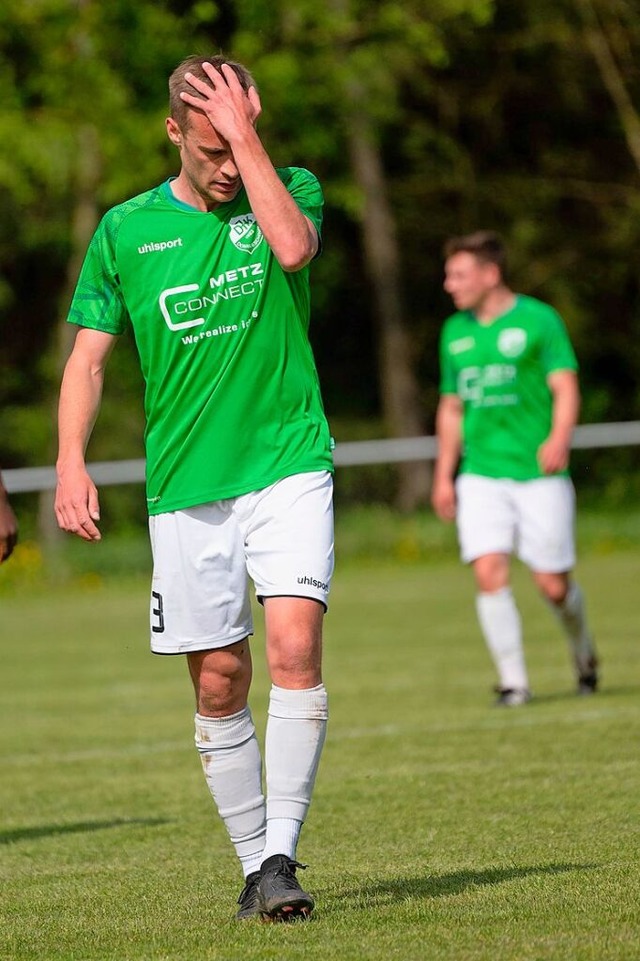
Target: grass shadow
604 694
51 830
438 886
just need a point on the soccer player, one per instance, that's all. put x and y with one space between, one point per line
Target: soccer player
509 403
211 268
8 525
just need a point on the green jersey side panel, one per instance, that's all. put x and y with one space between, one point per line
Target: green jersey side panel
500 371
232 398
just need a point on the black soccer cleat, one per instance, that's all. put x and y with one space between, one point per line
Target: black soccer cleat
512 696
588 679
249 900
281 897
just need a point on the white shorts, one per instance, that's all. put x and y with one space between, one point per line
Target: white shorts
532 519
281 537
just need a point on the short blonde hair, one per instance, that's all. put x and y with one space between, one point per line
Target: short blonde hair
178 109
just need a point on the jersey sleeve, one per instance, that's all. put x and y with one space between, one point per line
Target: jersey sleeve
305 189
557 350
97 302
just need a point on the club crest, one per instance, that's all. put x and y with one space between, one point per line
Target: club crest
244 233
512 342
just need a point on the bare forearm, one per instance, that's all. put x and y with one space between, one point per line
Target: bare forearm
553 454
449 434
80 397
76 501
287 231
566 409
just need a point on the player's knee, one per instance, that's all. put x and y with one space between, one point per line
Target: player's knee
294 661
553 587
222 684
221 699
491 572
491 579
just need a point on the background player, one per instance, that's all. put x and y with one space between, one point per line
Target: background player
211 269
509 403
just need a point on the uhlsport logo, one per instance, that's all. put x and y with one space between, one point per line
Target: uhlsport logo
512 342
244 233
152 247
313 582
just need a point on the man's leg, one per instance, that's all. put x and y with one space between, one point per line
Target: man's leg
487 525
200 607
566 600
547 547
288 537
501 626
226 741
296 727
297 717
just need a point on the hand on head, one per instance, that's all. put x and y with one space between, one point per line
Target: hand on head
229 108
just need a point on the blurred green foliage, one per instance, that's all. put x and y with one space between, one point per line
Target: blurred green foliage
488 113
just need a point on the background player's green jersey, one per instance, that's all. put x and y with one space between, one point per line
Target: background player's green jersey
499 371
232 399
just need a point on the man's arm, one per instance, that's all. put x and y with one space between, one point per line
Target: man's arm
553 455
233 113
76 502
449 434
8 525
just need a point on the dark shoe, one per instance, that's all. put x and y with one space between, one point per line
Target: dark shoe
281 897
249 901
512 696
588 679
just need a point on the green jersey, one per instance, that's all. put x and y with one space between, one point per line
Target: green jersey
499 371
232 398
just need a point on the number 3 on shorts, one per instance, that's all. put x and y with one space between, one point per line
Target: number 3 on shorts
157 612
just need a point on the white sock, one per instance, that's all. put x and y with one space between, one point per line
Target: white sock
502 629
296 729
232 767
571 613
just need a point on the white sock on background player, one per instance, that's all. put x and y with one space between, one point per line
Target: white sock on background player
502 629
571 613
296 729
232 766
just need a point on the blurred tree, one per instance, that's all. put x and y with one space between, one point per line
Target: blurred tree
421 120
540 152
617 19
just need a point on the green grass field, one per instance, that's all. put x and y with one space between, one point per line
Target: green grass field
441 827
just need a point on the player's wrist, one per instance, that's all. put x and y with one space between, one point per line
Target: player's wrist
561 437
443 473
70 464
242 136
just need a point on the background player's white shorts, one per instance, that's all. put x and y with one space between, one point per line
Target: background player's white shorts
533 519
281 537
